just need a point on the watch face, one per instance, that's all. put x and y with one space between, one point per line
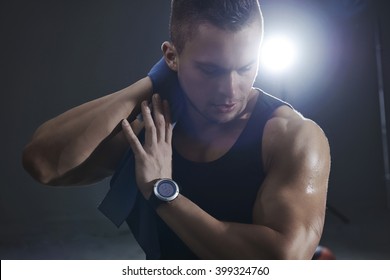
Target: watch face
166 190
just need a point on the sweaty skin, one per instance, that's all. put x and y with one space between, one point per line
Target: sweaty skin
289 209
216 69
83 145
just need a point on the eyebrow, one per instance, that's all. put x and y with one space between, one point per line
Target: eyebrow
213 65
207 64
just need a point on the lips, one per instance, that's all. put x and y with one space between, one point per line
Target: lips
225 107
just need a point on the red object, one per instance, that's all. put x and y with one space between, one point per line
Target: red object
323 253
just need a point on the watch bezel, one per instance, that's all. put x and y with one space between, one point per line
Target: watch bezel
166 198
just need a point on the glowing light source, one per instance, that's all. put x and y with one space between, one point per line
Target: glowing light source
278 54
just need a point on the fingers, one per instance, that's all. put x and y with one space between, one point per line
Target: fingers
158 116
150 128
169 125
161 120
131 137
158 126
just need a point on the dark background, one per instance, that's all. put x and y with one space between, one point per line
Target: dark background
58 54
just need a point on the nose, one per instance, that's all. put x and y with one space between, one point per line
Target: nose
228 84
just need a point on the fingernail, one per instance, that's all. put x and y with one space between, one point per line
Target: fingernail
146 106
125 122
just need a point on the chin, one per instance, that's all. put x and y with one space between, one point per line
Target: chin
223 119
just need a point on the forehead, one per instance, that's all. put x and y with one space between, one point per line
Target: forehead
211 44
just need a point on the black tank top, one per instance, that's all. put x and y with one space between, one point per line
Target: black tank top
227 187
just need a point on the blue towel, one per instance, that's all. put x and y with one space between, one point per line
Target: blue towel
124 202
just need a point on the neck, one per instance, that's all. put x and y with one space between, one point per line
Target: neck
193 124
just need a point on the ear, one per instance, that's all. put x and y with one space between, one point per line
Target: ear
170 55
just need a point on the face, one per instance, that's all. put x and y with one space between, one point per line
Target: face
217 69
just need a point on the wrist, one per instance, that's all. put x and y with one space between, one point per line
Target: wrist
164 191
147 189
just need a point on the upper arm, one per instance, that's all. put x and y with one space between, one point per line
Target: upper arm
292 198
84 144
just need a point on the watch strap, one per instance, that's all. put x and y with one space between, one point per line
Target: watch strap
154 201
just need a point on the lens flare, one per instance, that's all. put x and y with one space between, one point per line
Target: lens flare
278 54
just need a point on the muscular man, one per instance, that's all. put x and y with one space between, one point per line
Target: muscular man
252 173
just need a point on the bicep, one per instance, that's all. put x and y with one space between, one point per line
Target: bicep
292 198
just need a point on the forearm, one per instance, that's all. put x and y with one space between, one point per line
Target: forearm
63 143
210 238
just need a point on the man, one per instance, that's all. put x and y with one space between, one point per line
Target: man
249 173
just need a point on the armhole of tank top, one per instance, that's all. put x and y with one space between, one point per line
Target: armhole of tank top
265 107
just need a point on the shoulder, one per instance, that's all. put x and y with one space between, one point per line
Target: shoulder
296 160
290 137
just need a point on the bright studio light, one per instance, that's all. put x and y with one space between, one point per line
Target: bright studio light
278 54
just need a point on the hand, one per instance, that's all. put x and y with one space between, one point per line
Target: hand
153 159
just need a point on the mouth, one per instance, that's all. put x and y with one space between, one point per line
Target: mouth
225 107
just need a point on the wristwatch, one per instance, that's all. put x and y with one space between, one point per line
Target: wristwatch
164 191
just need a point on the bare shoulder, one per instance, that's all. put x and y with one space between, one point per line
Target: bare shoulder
289 135
292 198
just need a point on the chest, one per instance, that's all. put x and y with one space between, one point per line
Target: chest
225 187
207 147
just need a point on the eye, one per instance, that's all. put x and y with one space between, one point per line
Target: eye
245 69
209 70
